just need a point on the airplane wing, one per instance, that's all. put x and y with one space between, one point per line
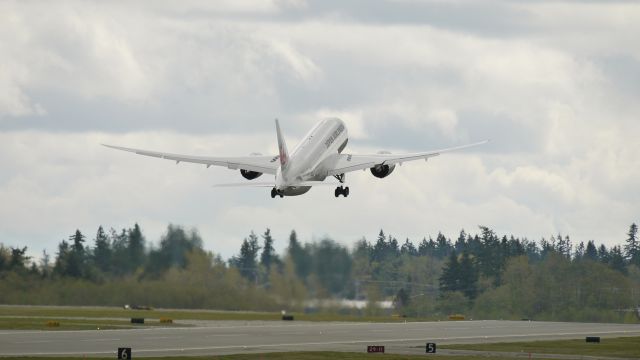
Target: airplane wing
263 164
350 162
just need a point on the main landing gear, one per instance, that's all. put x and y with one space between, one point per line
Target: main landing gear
275 193
342 191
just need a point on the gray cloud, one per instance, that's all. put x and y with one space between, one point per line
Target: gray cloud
554 85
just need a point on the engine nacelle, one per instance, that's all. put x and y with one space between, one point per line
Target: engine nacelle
381 170
248 174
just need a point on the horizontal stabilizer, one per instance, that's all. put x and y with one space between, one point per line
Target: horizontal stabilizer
317 183
247 184
270 184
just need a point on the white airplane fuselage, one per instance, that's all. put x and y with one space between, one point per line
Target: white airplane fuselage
313 157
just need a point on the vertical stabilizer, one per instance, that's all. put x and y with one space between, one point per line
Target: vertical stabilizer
282 146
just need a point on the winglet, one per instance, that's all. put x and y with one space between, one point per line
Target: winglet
282 146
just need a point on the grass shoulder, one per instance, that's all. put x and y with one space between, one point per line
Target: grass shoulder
44 323
116 312
327 355
615 347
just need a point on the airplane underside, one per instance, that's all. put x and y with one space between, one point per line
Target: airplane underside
290 191
300 190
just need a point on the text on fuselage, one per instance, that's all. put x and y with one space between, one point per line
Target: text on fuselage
334 136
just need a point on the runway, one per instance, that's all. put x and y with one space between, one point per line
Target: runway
230 337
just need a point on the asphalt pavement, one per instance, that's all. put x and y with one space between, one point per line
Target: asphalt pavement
231 337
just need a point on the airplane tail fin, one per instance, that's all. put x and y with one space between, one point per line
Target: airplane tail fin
282 146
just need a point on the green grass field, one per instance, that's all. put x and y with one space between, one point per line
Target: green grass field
39 323
115 312
616 347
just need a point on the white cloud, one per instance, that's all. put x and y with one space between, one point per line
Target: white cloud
14 102
303 67
208 79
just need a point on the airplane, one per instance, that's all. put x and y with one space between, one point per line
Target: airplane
317 157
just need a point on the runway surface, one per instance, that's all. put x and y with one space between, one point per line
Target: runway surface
229 337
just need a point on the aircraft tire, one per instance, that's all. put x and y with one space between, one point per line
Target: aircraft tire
346 191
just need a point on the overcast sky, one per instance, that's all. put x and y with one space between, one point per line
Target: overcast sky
554 85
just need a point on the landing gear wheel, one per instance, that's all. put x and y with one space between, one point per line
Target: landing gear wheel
342 191
273 193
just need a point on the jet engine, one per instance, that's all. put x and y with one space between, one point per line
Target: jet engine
248 174
382 170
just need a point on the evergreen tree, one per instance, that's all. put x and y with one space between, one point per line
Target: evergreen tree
449 280
427 248
461 244
632 246
546 247
18 261
136 245
119 264
467 277
379 248
268 256
408 248
62 259
474 244
579 252
175 246
102 251
562 245
443 246
76 260
616 260
332 266
77 239
591 252
515 247
393 250
4 258
531 250
490 257
603 254
300 256
246 262
45 264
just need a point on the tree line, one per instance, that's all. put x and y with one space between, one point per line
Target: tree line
482 274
